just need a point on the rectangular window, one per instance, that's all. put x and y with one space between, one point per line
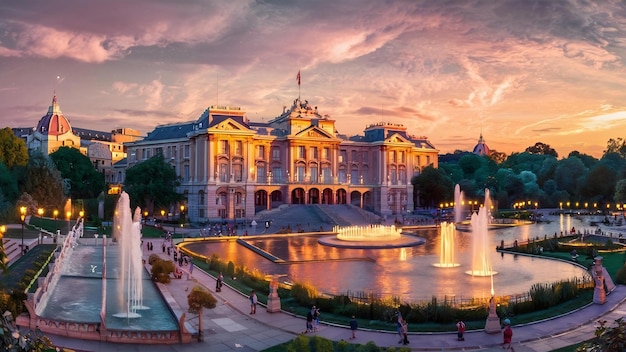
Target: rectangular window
238 171
186 171
260 152
343 156
224 173
314 175
326 153
314 152
401 157
276 174
353 156
275 153
327 175
300 173
364 157
238 148
302 152
186 150
223 147
342 176
354 177
260 174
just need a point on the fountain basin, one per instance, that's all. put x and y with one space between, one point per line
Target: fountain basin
400 242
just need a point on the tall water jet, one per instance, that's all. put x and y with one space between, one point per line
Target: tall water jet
446 252
458 204
127 232
481 259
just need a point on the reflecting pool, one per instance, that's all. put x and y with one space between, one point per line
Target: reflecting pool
407 273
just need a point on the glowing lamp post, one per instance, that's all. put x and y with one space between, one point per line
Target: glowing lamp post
23 219
67 216
55 213
40 212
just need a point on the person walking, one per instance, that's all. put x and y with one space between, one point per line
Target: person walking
219 282
399 328
460 330
253 302
405 332
353 326
507 335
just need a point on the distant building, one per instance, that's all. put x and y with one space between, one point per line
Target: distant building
481 148
54 130
230 167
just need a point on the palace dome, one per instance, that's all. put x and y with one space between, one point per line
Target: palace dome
54 123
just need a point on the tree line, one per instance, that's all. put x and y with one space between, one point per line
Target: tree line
537 175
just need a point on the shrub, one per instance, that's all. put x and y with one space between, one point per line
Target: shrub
620 278
304 294
161 270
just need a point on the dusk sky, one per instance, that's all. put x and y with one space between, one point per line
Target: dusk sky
518 71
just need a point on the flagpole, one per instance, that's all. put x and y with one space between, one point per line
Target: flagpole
298 80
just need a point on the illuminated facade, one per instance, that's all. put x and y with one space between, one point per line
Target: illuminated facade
231 168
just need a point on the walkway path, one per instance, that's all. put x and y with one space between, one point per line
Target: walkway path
229 327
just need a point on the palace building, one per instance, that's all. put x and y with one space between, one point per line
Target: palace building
231 167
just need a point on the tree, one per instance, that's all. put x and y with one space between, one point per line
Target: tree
599 183
569 175
608 338
85 181
433 186
14 340
616 146
13 151
152 183
44 182
8 184
497 157
620 192
197 299
542 148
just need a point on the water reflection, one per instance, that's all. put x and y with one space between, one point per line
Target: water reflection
404 272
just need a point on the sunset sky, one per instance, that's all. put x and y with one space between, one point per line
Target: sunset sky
518 71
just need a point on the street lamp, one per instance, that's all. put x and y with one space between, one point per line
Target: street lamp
40 212
182 209
55 213
23 219
67 216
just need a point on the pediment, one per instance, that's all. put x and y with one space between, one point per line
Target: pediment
313 132
396 138
228 125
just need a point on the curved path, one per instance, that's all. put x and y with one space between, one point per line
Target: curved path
229 327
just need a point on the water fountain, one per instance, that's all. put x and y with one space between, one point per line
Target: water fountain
481 258
96 290
458 205
127 232
446 252
367 233
372 236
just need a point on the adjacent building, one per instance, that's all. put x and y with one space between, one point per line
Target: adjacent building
104 149
231 167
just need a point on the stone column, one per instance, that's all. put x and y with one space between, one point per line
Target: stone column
273 301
